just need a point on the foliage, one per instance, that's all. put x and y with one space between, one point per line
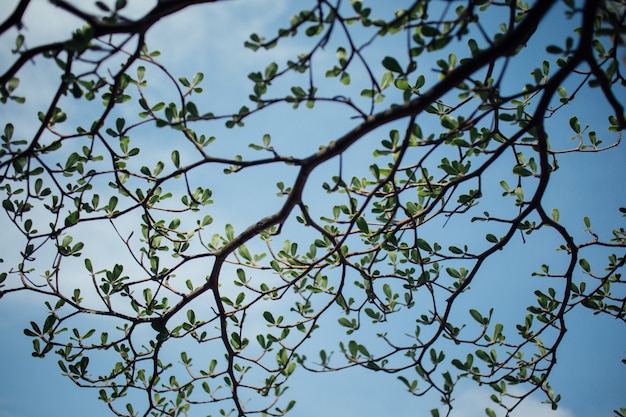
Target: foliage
464 146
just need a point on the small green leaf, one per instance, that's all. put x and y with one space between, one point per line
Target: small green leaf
477 316
271 70
245 253
230 232
449 122
88 265
391 64
521 171
176 158
269 317
197 78
387 291
362 225
345 322
574 124
419 83
402 84
584 264
387 80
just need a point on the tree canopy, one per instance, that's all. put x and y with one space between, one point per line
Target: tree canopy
194 248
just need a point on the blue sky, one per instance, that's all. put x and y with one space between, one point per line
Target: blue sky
589 374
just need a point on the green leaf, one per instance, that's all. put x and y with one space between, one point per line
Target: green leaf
419 82
102 6
584 264
271 70
387 80
230 232
521 171
553 49
314 30
191 316
402 84
345 322
574 124
19 41
454 273
197 78
176 158
473 46
477 316
423 245
362 225
8 131
449 122
391 64
72 219
245 254
387 291
269 317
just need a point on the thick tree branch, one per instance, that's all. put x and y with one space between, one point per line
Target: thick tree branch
15 19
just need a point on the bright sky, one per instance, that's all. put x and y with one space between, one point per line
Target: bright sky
209 38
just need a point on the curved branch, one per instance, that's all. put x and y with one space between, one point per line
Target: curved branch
16 17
